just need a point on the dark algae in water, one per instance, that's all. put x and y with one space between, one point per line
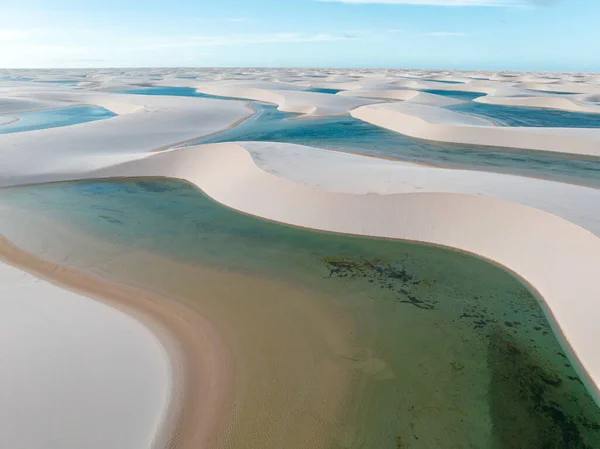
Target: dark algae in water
382 274
530 405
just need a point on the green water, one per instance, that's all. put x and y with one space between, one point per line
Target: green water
449 350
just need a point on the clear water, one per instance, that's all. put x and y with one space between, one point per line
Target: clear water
16 79
324 91
348 134
519 116
447 350
457 94
54 118
175 92
447 82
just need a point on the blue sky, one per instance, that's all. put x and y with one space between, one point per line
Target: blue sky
462 34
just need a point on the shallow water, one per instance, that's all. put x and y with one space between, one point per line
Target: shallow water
16 79
520 116
443 349
175 92
54 118
459 95
348 134
323 90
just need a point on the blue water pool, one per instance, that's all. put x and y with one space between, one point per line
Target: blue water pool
16 79
348 134
520 116
175 92
54 118
457 94
324 91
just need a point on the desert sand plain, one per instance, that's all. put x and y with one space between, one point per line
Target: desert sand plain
94 357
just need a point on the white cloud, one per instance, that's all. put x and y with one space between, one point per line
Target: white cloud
444 34
495 3
13 35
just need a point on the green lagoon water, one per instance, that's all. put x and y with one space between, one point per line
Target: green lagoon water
449 351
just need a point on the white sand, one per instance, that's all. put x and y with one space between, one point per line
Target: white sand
414 96
72 369
11 105
145 123
524 239
431 123
339 172
7 120
559 102
542 231
306 103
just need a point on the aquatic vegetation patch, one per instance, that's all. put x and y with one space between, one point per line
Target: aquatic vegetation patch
531 407
385 275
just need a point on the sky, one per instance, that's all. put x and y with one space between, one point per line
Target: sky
544 35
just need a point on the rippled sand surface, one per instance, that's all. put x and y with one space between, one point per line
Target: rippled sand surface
338 341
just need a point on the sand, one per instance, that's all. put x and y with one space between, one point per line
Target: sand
309 104
199 369
414 96
547 102
8 120
431 123
71 366
544 232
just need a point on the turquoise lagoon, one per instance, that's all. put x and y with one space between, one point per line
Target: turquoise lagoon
16 79
175 92
519 116
54 118
323 90
456 94
537 117
348 134
448 350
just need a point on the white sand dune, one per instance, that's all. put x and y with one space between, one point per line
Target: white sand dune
311 104
339 172
523 237
547 102
76 366
15 105
431 123
545 232
145 123
414 96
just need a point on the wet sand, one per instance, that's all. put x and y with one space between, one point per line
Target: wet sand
202 369
241 356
